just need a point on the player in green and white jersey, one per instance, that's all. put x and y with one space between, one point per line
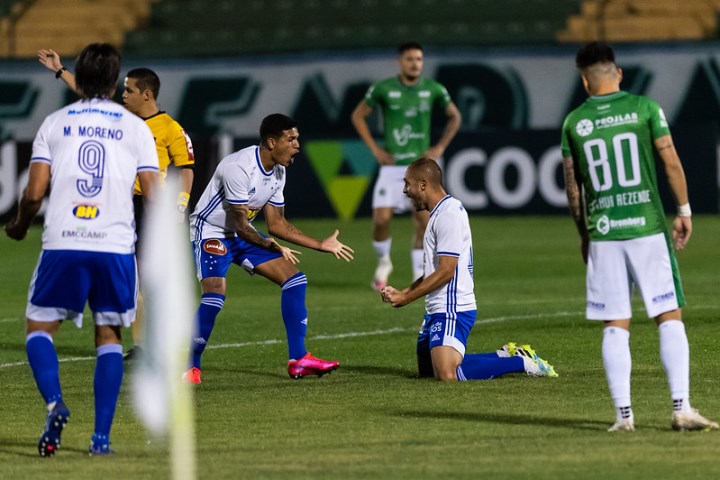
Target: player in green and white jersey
607 146
406 102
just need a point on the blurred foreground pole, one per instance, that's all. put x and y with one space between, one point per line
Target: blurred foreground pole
162 400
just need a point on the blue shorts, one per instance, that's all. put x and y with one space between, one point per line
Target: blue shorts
64 280
445 329
213 256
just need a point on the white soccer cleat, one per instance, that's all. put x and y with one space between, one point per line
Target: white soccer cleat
507 350
534 365
623 425
691 420
382 273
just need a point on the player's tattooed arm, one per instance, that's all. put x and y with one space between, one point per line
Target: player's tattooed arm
278 226
246 231
576 202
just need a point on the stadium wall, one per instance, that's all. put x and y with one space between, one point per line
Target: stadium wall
506 158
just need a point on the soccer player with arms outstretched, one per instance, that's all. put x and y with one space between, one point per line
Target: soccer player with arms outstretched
448 287
406 102
245 182
607 145
89 154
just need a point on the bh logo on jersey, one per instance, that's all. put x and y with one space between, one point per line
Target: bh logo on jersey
584 127
86 212
603 225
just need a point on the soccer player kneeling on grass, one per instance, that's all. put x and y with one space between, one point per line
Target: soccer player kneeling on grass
448 287
244 183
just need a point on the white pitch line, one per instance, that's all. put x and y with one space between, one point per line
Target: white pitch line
321 337
356 334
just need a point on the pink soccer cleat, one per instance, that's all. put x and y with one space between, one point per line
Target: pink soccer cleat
309 365
192 376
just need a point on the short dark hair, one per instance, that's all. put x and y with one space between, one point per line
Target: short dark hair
274 125
409 46
592 53
146 80
96 70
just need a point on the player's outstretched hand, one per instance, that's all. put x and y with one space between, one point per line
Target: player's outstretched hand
287 253
15 231
681 232
332 245
50 59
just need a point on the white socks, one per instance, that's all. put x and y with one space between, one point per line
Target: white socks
675 356
382 248
617 361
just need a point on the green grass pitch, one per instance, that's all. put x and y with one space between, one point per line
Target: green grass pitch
373 419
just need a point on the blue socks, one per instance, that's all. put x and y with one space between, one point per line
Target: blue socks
294 313
292 306
485 366
210 306
108 378
44 363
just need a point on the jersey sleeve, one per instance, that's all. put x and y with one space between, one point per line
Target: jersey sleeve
658 122
442 97
278 198
180 147
450 233
565 139
373 96
236 183
40 148
146 149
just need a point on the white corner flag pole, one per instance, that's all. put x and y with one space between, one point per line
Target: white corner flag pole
163 401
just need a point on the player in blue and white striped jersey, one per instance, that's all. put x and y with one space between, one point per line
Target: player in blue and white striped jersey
448 287
244 183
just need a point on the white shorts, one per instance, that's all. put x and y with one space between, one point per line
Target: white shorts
615 266
388 192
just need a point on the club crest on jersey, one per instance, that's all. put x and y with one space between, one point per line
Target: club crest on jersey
584 127
215 247
86 212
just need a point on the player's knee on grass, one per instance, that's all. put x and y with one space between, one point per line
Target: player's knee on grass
445 373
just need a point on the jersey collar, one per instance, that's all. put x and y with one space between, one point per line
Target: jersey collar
262 169
438 205
608 96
